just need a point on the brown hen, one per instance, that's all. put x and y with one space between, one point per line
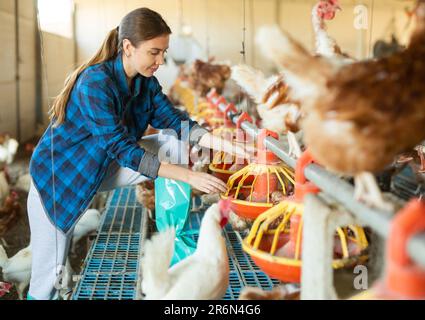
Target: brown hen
9 213
358 116
206 75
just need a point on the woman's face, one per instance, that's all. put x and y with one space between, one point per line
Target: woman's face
147 57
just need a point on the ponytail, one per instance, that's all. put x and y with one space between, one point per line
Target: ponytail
108 50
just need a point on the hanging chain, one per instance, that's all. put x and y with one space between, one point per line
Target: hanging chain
44 70
371 28
243 52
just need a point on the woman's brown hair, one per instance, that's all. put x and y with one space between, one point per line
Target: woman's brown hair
137 26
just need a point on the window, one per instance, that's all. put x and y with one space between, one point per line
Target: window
56 16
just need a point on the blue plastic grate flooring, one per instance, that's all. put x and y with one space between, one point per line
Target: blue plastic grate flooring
405 185
110 271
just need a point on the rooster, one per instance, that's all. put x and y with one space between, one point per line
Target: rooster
359 116
203 275
10 212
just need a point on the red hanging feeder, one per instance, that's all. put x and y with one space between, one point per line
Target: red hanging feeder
275 240
260 185
223 165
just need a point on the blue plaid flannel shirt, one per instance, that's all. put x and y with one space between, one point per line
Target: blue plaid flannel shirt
103 122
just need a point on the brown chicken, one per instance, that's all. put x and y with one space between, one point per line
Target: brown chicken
145 194
358 116
9 213
205 75
277 293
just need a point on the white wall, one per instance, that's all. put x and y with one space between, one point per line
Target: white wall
226 21
58 63
8 84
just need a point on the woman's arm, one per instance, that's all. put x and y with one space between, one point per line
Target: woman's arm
214 142
199 180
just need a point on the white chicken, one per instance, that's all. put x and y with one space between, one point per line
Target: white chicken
203 275
8 149
17 270
88 223
24 182
4 186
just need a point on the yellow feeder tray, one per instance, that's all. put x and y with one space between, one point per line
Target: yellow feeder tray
275 243
202 110
221 164
224 132
256 188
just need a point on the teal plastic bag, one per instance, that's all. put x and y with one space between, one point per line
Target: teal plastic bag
172 209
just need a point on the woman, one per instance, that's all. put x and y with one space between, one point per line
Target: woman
91 143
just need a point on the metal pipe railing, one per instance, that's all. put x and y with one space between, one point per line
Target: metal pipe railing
339 190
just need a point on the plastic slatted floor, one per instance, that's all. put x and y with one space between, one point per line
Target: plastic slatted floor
110 269
405 185
243 271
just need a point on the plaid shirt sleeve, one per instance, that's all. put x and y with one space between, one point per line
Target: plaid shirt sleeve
166 116
97 106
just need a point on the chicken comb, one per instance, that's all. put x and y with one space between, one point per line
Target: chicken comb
327 8
224 205
6 286
14 195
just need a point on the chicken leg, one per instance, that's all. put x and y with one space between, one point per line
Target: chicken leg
367 191
421 153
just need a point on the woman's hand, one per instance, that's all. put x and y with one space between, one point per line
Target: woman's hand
199 180
206 182
219 144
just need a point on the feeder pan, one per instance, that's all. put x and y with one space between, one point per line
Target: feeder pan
275 243
202 108
404 279
275 240
223 165
254 188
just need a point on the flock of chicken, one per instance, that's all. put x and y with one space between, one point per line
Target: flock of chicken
357 118
16 270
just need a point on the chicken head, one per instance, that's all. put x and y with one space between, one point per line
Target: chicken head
327 9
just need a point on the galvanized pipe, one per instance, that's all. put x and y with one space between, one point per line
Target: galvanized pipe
343 192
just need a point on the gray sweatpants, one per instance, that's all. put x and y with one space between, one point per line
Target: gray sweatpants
50 246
